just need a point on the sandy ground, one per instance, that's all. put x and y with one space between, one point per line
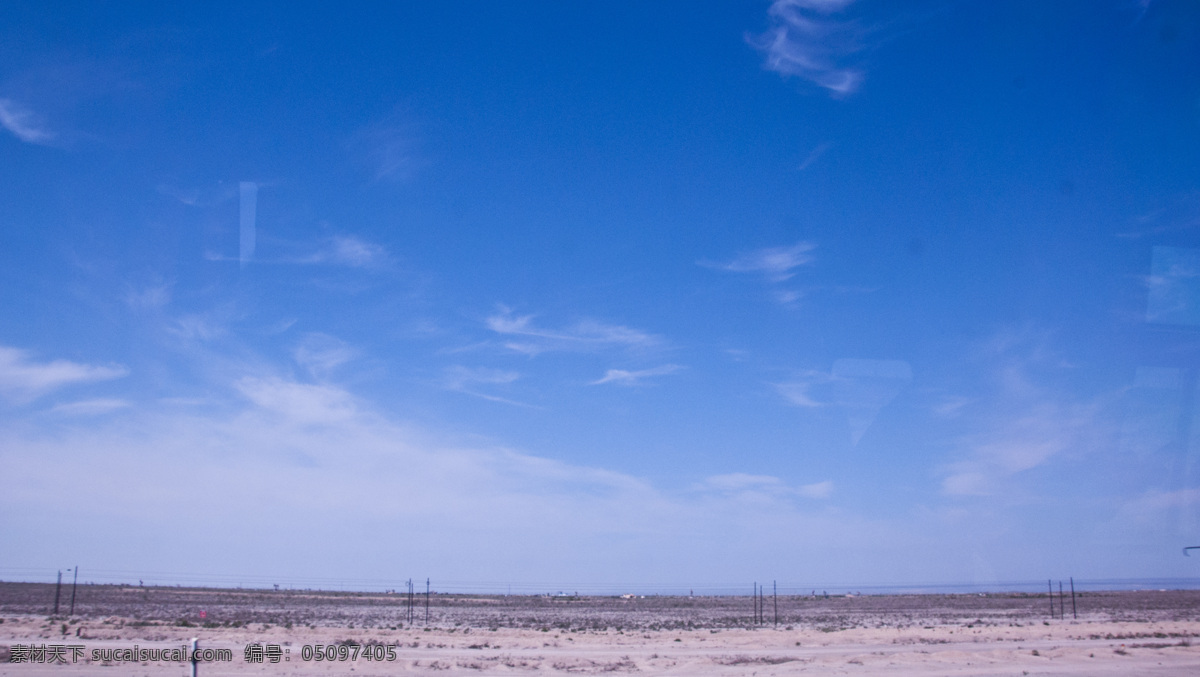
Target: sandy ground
1095 647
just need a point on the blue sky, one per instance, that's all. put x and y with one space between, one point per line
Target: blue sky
825 291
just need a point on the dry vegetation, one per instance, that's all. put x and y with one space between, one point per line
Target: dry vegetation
1117 633
225 608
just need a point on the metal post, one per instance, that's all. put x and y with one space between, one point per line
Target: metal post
1050 586
426 601
194 646
57 592
1061 602
1074 613
73 584
762 606
775 600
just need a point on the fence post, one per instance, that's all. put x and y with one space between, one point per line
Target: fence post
1074 613
193 647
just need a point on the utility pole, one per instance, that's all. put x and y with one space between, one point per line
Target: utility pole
57 592
426 601
775 601
73 584
1050 587
1061 603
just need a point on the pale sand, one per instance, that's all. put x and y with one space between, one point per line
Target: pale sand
1062 648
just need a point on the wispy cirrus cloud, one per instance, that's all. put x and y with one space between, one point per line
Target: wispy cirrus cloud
745 485
776 264
469 381
859 388
24 123
321 354
389 146
347 250
1025 422
94 407
807 40
1019 442
637 377
23 379
524 336
339 250
814 155
149 297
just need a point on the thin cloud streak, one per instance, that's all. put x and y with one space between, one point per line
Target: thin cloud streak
23 380
466 380
814 155
94 407
777 264
764 487
633 378
346 251
585 335
339 250
23 123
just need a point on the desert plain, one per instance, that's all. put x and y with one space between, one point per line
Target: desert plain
1114 633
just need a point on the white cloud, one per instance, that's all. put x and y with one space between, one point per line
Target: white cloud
321 354
201 326
777 264
585 335
765 487
632 378
806 41
467 380
344 250
950 406
817 490
1154 506
389 146
23 123
1023 424
292 459
458 376
739 481
209 195
804 389
94 407
299 403
1018 438
22 379
339 250
788 297
151 297
859 388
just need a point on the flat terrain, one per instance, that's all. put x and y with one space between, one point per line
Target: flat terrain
1117 633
